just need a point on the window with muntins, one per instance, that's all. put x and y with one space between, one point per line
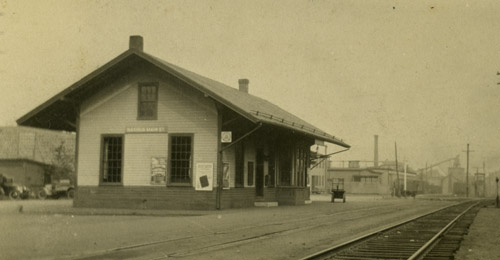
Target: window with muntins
148 101
112 158
361 178
180 159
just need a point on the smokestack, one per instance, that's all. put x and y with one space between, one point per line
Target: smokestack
243 85
375 152
136 42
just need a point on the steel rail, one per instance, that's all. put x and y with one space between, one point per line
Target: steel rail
369 235
419 253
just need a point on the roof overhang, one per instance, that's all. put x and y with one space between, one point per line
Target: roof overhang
317 135
61 111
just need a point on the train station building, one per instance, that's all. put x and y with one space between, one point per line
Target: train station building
153 135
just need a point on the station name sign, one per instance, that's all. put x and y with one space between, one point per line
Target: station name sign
146 130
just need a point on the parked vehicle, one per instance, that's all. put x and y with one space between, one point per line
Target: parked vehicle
58 189
338 191
12 190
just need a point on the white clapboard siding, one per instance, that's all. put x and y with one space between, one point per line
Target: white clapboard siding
139 149
110 111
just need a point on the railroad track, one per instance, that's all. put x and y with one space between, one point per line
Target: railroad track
212 243
274 229
433 236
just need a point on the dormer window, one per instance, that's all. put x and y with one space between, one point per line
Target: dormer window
148 101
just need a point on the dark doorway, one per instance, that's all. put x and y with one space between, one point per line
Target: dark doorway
259 173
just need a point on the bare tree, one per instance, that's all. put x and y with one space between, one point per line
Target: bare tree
63 164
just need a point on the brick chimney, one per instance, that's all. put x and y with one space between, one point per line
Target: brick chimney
136 42
243 85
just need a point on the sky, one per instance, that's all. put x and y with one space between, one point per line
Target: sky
422 74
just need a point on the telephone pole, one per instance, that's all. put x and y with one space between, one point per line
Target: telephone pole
404 178
485 189
467 174
424 178
398 192
497 200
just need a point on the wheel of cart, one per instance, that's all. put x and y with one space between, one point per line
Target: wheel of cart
338 191
14 195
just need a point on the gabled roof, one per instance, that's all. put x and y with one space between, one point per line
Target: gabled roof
251 107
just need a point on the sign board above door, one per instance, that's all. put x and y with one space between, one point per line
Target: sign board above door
154 129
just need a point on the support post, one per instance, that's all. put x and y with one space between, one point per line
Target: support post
218 196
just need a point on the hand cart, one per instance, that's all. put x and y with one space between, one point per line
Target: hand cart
338 191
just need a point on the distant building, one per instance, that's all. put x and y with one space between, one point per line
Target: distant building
371 177
361 177
491 185
25 153
479 184
432 180
455 182
153 135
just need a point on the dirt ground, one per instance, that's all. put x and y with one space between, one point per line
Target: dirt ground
54 230
483 240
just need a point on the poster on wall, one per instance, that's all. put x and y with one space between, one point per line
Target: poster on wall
225 175
204 176
158 170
